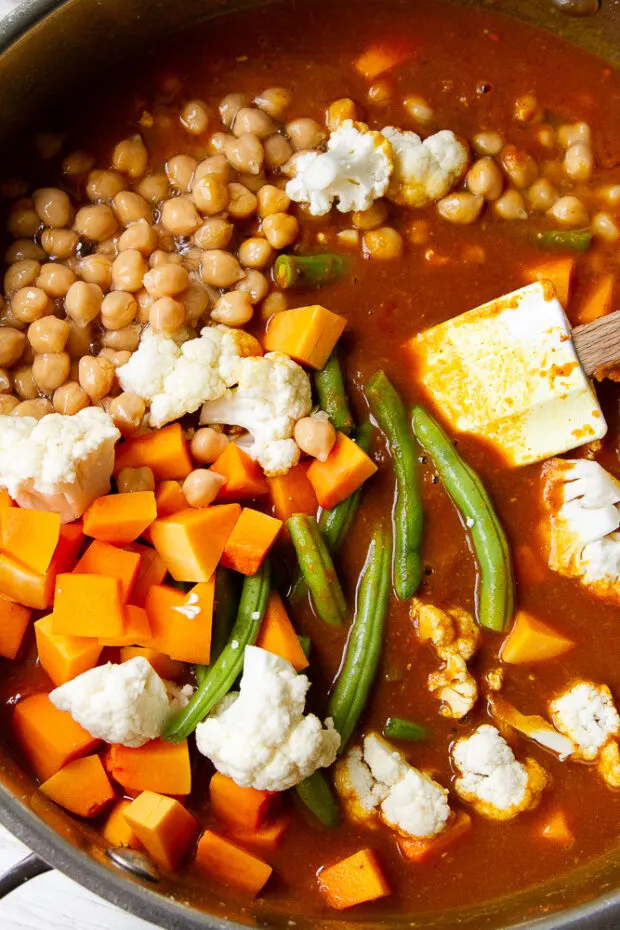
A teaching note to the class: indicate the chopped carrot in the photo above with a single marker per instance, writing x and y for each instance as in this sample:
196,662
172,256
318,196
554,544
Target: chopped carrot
156,766
102,558
192,541
240,808
116,831
354,880
557,830
307,334
292,493
181,622
163,826
244,477
14,620
88,605
383,56
278,635
137,629
343,472
162,664
30,536
266,838
531,640
81,787
229,864
169,498
49,738
559,272
598,300
420,850
64,657
120,518
252,537
152,571
165,451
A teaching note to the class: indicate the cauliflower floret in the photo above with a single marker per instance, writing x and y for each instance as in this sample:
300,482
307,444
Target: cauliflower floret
609,764
177,379
587,715
261,738
272,393
58,463
584,542
127,704
354,171
491,779
424,171
533,726
375,782
455,638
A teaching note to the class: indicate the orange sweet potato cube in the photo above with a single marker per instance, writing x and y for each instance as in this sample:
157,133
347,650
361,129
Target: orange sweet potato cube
152,571
137,629
307,334
165,451
156,766
277,634
88,605
81,787
343,472
14,620
30,536
354,880
166,830
116,830
120,518
102,558
244,478
253,536
230,864
242,808
64,657
191,542
48,737
161,663
181,623
292,493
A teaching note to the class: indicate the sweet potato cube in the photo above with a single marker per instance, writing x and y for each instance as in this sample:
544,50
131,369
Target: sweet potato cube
253,536
162,664
166,830
230,864
266,838
20,583
120,518
244,478
598,300
307,334
420,850
48,737
14,620
242,808
169,498
192,541
116,830
64,657
292,493
557,830
165,451
156,766
559,271
137,629
152,571
101,558
278,635
181,623
30,536
343,472
383,56
531,640
81,787
88,605
354,880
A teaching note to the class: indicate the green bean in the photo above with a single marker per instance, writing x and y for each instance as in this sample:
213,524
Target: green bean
398,728
389,411
307,270
495,597
363,651
316,793
576,239
332,396
225,670
226,601
336,522
317,568
306,644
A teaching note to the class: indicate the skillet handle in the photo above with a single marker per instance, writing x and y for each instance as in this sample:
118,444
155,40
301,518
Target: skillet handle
21,873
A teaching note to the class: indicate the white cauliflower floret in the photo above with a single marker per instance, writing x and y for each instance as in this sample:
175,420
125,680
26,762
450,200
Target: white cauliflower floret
272,393
587,715
127,704
353,172
261,738
58,463
177,379
491,779
424,171
375,782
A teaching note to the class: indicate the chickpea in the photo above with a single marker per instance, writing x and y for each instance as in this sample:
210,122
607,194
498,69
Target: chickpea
21,274
341,110
53,207
545,135
24,383
255,285
242,202
96,222
8,404
191,258
195,300
79,340
22,249
50,370
277,150
418,109
371,218
234,309
48,335
154,188
280,229
348,238
245,153
77,164
202,486
255,252
131,207
214,165
59,243
127,412
305,133
541,195
520,167
195,117
131,157
135,479
510,206
315,436
83,302
30,303
488,143
140,236
118,357
125,338
96,269
145,301
605,228
526,108
570,212
6,381
166,280
215,233
610,194
381,91
69,398
12,344
275,302
383,243
104,185
217,142
55,279
167,315
418,232
210,194
179,216
257,122
128,270
23,221
96,376
253,182
272,199
162,257
579,161
572,133
207,445
180,170
230,106
484,179
118,309
220,268
37,408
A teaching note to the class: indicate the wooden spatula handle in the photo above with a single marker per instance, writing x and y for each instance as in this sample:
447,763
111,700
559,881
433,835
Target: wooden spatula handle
598,343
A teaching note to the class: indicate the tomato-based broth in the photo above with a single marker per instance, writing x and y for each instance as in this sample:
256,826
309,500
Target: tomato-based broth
494,83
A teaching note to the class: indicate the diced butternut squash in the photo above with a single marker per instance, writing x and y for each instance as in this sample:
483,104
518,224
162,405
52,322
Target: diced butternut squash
116,830
192,541
307,334
253,536
343,472
230,864
559,272
598,299
165,451
240,808
152,571
278,635
81,787
49,738
354,880
181,623
120,518
244,478
421,850
531,640
162,664
30,536
292,493
137,629
266,838
163,826
64,657
14,620
383,56
88,605
169,498
102,558
20,583
156,766
557,830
